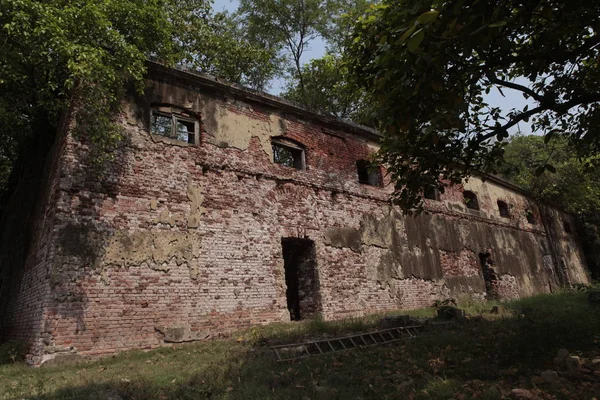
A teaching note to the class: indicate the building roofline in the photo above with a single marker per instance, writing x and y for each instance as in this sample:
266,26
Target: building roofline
183,74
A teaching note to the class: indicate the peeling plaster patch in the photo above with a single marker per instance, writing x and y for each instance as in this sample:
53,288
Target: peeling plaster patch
343,237
165,217
388,268
376,232
154,248
236,129
196,209
179,334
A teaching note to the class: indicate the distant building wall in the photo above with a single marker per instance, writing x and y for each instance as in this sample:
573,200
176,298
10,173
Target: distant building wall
176,241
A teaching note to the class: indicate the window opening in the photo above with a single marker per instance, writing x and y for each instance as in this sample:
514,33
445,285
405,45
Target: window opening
173,126
432,194
567,227
471,200
530,217
288,154
301,278
503,209
368,175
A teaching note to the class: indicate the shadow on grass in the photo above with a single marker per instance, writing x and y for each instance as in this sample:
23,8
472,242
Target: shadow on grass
479,358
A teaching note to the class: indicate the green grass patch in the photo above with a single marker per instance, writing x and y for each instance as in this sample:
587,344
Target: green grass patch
484,357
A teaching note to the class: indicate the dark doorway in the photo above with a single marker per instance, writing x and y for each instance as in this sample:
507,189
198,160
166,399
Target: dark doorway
301,278
490,277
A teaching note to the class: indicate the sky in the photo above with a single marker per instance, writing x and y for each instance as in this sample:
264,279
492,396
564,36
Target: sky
511,98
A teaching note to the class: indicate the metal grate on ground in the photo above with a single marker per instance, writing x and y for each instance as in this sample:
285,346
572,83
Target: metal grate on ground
295,351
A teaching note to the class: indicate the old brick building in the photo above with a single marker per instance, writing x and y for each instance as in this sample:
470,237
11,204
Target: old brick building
225,208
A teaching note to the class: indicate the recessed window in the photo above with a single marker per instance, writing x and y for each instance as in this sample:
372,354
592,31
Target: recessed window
470,199
173,125
432,194
530,217
288,154
567,227
367,174
503,209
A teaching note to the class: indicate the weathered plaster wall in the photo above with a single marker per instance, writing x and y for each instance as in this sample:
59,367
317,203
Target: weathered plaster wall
179,242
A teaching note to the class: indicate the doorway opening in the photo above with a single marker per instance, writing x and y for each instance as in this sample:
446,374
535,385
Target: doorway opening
490,278
301,278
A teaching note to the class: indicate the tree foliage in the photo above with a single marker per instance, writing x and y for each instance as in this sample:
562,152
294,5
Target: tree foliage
429,65
574,186
223,47
54,54
288,26
327,88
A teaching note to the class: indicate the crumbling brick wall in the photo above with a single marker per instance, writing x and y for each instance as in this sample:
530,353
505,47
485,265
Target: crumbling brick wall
174,242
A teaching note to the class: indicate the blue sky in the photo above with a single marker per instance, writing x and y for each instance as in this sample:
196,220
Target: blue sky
511,98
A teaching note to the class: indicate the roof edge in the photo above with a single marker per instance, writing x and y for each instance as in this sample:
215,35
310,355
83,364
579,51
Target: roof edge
210,81
206,80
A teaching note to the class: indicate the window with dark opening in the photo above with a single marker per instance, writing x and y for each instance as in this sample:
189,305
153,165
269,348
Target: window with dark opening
470,199
301,278
530,217
567,227
432,194
288,154
503,209
173,125
368,175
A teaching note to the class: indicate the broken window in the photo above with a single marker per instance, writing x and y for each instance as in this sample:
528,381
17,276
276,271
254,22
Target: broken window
367,174
432,194
288,154
567,227
301,278
503,209
470,199
530,217
177,125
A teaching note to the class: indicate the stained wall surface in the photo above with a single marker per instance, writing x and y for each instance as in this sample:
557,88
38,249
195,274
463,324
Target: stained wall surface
173,242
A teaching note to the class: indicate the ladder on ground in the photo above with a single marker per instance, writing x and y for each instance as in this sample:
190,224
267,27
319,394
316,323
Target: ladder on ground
294,351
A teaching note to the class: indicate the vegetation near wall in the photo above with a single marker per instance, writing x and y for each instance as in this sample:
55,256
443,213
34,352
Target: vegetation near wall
507,353
573,185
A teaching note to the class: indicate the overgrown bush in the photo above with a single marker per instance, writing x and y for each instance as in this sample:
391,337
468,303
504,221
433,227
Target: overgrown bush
12,351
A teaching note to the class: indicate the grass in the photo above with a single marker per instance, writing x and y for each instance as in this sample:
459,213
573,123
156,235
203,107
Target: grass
484,357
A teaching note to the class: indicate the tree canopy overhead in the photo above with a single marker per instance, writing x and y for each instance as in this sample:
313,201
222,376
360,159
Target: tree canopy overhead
429,64
60,52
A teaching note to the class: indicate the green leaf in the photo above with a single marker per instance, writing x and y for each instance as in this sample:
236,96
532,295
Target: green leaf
498,24
406,35
428,17
415,41
540,170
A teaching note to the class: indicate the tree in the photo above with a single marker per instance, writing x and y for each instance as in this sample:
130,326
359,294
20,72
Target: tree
59,53
327,89
224,48
429,64
574,186
288,26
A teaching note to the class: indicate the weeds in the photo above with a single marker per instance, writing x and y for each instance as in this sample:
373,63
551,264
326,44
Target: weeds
12,352
483,357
